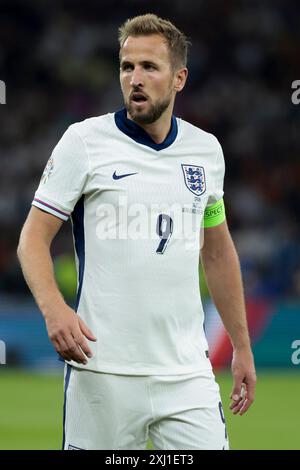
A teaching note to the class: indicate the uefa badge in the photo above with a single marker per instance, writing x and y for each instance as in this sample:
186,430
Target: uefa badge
48,171
194,178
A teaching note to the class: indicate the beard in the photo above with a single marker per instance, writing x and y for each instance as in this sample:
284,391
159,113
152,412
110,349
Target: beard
155,110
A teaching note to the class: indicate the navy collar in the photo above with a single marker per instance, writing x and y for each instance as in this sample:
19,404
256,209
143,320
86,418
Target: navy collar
137,133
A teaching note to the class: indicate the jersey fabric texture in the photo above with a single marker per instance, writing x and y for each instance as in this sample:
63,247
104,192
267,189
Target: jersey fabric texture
136,209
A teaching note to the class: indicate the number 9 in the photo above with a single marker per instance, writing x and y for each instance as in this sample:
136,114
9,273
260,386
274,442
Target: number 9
164,229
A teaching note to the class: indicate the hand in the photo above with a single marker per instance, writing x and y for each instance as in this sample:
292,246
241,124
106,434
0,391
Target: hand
67,332
244,377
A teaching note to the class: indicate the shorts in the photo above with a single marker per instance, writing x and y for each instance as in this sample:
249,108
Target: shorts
111,411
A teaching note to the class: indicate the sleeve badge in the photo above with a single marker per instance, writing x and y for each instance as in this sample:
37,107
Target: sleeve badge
47,171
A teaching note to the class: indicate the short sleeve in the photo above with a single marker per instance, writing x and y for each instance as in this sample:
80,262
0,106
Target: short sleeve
64,177
218,173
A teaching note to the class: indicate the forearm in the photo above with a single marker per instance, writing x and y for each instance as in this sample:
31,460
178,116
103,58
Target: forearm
37,267
224,281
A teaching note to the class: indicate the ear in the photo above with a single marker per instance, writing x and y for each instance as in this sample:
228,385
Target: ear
180,78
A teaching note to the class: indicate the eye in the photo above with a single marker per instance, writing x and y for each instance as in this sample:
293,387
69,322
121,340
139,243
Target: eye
126,67
150,67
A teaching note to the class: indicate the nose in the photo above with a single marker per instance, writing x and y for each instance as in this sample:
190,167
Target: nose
136,78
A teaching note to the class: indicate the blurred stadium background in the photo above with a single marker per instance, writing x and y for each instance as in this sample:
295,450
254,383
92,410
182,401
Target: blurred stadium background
59,61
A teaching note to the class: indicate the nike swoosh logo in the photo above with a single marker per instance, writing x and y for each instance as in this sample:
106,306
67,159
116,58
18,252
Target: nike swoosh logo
118,177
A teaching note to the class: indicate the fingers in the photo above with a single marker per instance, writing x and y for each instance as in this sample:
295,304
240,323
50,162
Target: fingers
235,408
69,340
68,348
239,401
246,405
61,348
251,383
245,400
82,344
237,389
243,371
86,331
250,390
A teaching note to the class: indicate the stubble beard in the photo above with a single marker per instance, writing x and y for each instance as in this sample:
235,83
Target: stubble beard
152,114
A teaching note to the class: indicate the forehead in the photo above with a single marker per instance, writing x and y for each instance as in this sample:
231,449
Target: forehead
138,48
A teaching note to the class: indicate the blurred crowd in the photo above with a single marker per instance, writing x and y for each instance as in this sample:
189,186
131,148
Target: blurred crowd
59,61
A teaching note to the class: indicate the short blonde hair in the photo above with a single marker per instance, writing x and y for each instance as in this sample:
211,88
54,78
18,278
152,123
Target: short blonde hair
145,25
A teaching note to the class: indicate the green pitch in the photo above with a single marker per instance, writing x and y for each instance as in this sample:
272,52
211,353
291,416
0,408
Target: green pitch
31,412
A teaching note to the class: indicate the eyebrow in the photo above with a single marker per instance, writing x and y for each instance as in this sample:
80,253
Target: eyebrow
143,62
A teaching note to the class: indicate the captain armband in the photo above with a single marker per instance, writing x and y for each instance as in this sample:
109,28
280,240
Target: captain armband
214,215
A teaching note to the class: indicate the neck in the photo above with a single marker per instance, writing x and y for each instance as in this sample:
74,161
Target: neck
159,129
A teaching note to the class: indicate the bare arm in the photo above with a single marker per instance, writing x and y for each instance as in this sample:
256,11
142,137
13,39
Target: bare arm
66,329
224,281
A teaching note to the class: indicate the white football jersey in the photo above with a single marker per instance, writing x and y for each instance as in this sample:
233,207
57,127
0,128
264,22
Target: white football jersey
136,209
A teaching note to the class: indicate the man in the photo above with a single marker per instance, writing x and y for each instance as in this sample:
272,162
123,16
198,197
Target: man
136,353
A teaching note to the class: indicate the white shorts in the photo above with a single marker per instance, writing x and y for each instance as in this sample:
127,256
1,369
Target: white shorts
109,411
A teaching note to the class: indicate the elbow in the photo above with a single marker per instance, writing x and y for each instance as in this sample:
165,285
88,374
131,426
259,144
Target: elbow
19,250
21,247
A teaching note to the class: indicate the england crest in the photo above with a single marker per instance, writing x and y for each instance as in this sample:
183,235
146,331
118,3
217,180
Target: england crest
194,178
